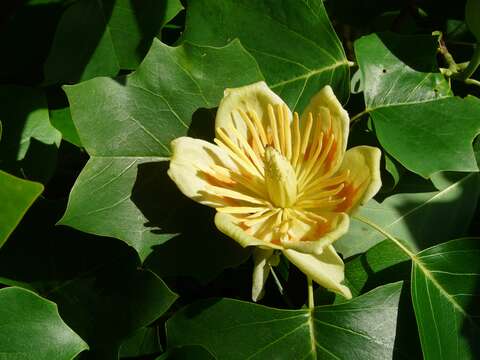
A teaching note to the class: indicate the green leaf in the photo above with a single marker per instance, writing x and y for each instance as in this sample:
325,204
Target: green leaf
187,353
100,37
382,263
144,341
420,219
16,196
29,143
472,17
403,95
33,329
294,44
367,324
126,126
60,116
445,292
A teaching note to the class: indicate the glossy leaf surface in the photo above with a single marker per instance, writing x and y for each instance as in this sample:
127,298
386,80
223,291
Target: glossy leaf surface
126,128
16,196
445,291
420,219
403,96
25,315
367,323
294,44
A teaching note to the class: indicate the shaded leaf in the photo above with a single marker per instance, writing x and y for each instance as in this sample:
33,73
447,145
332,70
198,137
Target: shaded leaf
382,263
16,196
126,128
445,292
144,341
29,142
367,323
60,116
404,93
186,353
100,37
294,44
31,328
101,290
420,219
472,17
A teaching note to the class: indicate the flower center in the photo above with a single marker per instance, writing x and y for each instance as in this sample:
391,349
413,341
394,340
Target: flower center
280,179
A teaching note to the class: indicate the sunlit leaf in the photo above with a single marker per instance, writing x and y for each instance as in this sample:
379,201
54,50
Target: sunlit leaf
404,93
126,126
420,219
294,44
445,292
16,196
32,329
367,324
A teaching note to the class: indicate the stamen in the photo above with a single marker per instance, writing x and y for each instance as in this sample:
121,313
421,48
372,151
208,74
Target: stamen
305,138
306,216
254,158
320,161
281,128
259,126
321,195
323,182
296,140
248,184
288,133
235,152
220,191
317,141
262,218
253,131
240,209
273,127
320,203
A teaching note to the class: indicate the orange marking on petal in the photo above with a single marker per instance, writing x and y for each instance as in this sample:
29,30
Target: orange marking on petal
348,192
218,180
276,241
307,152
229,201
331,156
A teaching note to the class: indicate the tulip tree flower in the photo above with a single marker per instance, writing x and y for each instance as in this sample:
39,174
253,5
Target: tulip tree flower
280,182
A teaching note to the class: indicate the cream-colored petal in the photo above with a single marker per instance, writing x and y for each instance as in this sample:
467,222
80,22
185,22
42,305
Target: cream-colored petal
228,225
340,121
318,236
191,160
326,269
261,270
364,181
254,97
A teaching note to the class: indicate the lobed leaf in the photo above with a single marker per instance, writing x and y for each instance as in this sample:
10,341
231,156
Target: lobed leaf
294,44
367,324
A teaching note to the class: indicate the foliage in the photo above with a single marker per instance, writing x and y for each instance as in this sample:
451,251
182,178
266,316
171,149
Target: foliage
101,256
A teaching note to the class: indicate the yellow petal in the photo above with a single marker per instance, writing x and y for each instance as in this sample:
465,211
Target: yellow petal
191,161
261,270
228,225
326,269
315,237
331,112
364,181
251,98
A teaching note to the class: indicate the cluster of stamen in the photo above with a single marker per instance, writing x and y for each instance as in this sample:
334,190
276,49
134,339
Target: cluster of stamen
271,160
